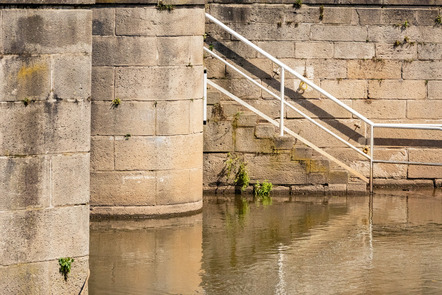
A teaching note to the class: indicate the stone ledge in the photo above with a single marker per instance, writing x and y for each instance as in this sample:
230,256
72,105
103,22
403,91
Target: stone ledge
162,211
344,2
165,2
46,2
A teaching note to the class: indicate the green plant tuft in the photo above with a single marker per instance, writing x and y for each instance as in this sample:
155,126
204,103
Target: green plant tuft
321,12
26,101
211,47
438,20
405,25
65,266
297,4
127,136
115,103
162,7
263,190
236,168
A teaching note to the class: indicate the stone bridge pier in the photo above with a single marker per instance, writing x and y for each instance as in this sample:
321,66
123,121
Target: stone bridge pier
45,90
100,106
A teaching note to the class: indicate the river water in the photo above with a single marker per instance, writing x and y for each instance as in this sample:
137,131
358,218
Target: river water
388,244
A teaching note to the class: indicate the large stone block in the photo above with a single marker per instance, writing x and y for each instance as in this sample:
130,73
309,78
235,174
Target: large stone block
407,137
214,169
102,153
242,88
47,31
71,77
353,50
278,49
245,141
102,83
427,17
374,69
182,50
430,70
124,51
25,78
48,127
159,153
256,68
424,109
369,16
339,15
398,16
176,187
435,89
149,21
328,68
277,169
263,31
129,118
70,179
397,89
218,136
390,51
103,21
381,109
160,83
346,88
314,50
43,278
123,188
173,117
430,51
349,130
39,235
389,34
325,109
338,33
24,183
265,131
427,155
390,170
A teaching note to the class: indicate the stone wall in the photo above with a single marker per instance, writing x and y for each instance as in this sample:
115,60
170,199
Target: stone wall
146,154
382,60
45,74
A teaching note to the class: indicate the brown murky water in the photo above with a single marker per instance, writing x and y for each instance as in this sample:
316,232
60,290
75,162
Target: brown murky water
300,245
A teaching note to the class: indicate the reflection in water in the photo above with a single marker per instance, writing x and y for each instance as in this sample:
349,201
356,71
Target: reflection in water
307,245
146,257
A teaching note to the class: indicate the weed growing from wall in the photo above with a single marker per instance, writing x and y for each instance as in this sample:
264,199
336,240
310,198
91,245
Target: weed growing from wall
297,4
65,266
262,190
115,103
236,168
163,7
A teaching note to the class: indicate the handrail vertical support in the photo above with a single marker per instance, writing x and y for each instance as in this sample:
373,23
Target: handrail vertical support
205,97
371,157
281,121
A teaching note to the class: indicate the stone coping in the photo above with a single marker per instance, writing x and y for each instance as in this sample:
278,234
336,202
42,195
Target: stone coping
340,2
88,2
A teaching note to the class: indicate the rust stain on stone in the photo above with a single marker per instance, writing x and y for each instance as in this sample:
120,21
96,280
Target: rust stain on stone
26,72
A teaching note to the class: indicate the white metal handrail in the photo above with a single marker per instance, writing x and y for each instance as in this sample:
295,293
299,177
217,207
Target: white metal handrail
285,102
283,68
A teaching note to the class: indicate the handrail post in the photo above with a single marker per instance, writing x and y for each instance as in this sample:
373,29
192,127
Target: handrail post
371,157
281,121
205,97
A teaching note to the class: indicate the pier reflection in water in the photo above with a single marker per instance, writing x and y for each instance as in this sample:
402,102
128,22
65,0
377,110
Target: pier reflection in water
307,245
